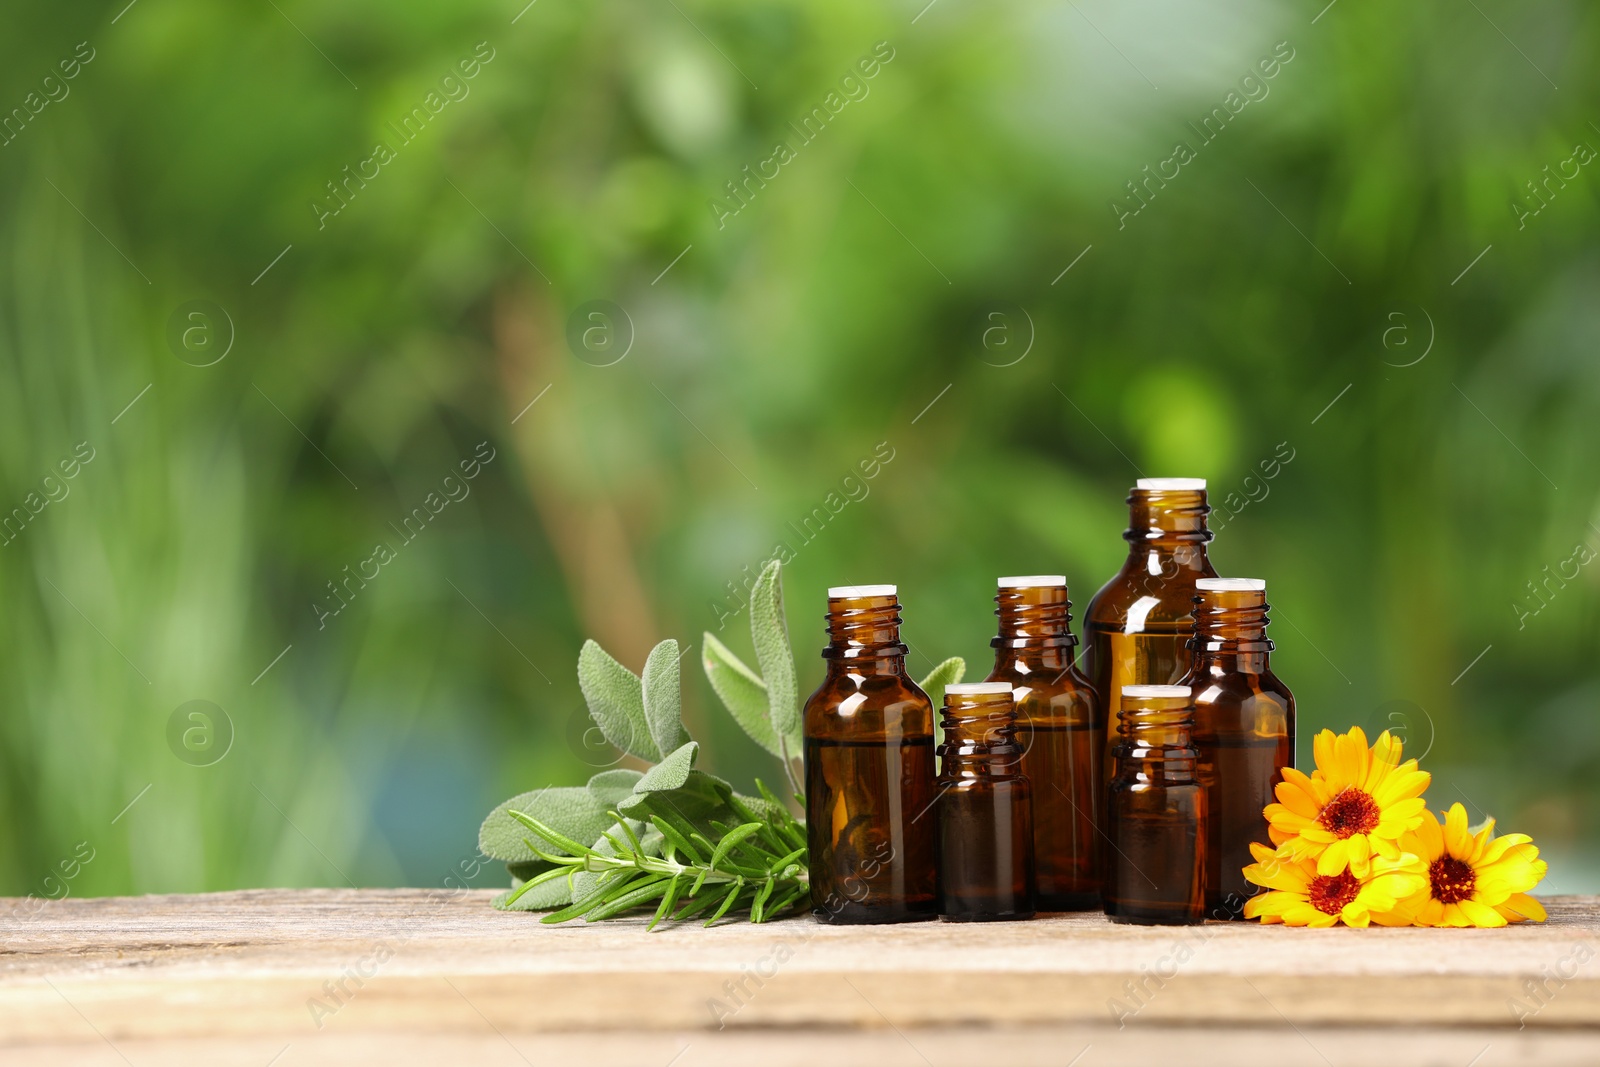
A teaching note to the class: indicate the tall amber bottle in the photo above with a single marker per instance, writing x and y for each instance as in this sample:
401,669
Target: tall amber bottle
1156,862
1138,626
1243,731
1035,653
869,770
985,808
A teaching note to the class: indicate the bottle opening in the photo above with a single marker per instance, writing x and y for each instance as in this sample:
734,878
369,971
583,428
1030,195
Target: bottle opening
1170,484
856,592
1033,581
1155,692
977,689
1231,585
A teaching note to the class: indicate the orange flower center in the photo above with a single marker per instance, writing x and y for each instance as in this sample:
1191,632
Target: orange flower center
1351,812
1453,880
1329,894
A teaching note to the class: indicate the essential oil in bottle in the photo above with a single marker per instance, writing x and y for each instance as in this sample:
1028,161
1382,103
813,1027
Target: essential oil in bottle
1138,626
1243,731
870,822
1155,867
984,806
1035,653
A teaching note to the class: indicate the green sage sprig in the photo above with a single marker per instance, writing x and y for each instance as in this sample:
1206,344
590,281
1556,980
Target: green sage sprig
757,866
672,835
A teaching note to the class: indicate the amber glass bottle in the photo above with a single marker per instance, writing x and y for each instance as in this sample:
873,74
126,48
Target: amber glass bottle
1035,654
984,806
1243,731
869,770
1138,626
1155,867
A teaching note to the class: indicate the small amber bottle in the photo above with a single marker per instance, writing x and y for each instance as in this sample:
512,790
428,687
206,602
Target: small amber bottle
1155,866
1035,654
1138,626
869,762
1243,731
985,810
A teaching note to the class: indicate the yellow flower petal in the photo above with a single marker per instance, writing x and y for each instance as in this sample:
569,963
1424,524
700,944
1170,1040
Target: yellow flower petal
1520,906
1456,839
1481,914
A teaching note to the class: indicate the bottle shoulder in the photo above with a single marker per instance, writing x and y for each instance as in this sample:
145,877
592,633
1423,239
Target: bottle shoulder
867,706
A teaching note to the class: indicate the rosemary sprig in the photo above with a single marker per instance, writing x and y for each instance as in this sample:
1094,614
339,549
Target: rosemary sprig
750,867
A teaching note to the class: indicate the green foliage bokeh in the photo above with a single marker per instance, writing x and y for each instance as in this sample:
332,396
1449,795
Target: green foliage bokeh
895,284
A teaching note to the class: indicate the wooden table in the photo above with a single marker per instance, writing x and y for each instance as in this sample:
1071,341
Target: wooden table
413,976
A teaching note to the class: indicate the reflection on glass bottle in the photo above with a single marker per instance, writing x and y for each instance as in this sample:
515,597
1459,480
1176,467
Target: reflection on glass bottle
1243,731
869,770
1056,726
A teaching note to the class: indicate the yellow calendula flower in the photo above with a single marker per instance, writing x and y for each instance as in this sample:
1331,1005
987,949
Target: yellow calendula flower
1353,807
1470,879
1299,895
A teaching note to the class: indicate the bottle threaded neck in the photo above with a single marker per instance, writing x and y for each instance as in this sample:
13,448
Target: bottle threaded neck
1230,617
1033,615
980,728
863,622
1153,727
1163,513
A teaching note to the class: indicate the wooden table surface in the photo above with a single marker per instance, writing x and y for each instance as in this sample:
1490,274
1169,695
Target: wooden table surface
292,977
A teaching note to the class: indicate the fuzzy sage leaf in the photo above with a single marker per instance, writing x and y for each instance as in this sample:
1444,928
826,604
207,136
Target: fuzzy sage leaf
770,630
616,702
950,672
663,701
741,691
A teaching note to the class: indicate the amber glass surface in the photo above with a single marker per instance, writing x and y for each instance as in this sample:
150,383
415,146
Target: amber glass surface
1243,735
984,805
1156,859
869,759
1035,653
1138,626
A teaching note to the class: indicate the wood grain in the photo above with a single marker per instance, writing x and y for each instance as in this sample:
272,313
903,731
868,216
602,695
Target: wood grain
329,971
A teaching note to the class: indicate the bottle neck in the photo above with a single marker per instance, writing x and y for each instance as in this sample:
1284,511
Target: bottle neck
864,636
1167,534
1035,634
980,738
1230,631
1168,516
1153,742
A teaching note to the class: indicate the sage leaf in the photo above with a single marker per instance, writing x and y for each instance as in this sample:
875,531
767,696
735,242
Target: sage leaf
571,811
611,787
741,691
950,672
700,798
663,697
671,772
616,702
770,630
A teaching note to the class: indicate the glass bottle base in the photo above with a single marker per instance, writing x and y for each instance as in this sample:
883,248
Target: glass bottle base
870,915
986,916
1069,902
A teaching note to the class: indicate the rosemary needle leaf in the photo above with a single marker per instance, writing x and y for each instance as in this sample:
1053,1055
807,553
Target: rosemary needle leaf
674,887
559,840
677,840
727,902
761,898
629,900
731,840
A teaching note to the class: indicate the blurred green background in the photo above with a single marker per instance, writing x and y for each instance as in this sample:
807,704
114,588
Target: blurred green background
1304,283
